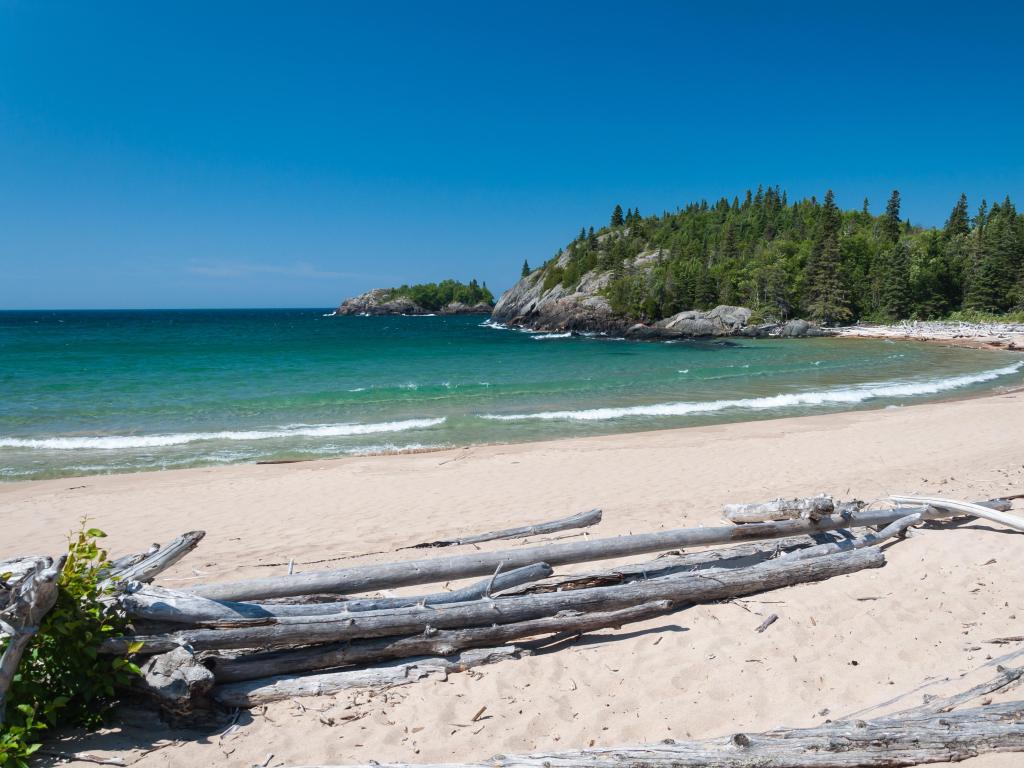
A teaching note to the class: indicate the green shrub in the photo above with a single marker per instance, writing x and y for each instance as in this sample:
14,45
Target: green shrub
62,678
975,316
552,277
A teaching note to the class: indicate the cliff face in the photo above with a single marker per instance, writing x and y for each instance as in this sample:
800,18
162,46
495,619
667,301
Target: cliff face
383,301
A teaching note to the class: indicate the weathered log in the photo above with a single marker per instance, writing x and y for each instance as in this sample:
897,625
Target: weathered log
435,642
681,588
739,556
159,604
868,540
14,570
966,508
126,561
160,560
32,598
388,575
886,742
252,693
580,520
813,507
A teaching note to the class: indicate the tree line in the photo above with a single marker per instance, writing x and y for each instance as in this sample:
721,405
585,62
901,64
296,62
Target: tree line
436,296
806,258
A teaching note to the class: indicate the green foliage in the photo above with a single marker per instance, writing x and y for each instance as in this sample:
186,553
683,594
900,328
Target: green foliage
973,316
435,296
806,258
62,678
526,268
617,219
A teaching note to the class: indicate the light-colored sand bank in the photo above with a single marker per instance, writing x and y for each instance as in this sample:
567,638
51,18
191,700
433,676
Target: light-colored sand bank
1009,336
839,646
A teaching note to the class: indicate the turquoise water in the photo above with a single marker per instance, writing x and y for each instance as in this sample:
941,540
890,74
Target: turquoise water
92,392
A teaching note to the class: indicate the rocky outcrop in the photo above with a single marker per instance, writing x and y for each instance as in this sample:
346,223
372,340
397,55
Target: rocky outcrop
584,308
383,301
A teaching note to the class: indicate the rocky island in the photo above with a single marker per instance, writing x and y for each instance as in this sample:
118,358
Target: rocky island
449,297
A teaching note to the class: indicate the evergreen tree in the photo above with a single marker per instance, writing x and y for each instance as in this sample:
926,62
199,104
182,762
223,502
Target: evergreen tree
891,219
896,291
958,222
617,219
526,268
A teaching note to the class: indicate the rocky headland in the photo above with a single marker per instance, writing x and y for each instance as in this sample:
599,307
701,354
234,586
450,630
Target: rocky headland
387,301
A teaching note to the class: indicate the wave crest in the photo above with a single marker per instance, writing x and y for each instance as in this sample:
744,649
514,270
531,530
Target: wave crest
847,396
118,442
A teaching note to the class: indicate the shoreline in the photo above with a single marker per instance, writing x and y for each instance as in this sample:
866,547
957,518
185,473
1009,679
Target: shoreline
988,341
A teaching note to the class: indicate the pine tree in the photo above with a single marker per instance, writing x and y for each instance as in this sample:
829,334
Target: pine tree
617,219
897,298
827,299
958,222
526,268
891,219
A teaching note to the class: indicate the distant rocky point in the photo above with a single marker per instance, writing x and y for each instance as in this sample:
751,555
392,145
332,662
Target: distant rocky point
418,300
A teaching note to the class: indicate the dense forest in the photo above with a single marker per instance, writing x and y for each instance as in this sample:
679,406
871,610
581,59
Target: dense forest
435,296
806,258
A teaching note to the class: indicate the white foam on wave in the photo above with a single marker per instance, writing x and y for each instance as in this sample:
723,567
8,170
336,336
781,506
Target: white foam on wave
544,336
116,442
845,396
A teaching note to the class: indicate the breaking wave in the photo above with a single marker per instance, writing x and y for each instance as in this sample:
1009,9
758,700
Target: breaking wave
117,442
845,396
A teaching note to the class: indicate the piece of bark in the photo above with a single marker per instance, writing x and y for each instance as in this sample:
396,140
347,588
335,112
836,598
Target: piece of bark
739,556
30,601
868,540
159,604
388,575
767,623
813,508
252,693
580,520
149,567
682,588
433,642
952,506
888,742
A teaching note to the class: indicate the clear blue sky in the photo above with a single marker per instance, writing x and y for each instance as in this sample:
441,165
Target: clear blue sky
290,154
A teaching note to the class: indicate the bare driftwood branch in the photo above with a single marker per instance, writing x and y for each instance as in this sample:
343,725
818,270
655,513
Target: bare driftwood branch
965,508
388,575
683,588
254,692
433,642
868,540
813,507
147,569
580,520
31,599
159,604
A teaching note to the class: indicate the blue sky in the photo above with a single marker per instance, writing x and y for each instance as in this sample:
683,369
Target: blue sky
291,154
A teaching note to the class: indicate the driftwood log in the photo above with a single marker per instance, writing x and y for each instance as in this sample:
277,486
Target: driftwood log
812,507
580,520
912,737
31,599
385,576
681,589
159,604
739,556
255,692
966,508
155,561
434,642
868,540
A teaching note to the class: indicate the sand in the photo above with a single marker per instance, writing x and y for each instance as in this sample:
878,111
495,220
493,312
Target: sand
837,648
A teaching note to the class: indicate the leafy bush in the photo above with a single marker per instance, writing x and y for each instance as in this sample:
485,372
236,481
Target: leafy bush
62,678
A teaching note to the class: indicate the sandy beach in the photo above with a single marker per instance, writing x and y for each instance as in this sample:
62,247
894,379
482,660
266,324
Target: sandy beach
838,647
